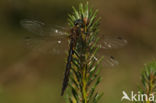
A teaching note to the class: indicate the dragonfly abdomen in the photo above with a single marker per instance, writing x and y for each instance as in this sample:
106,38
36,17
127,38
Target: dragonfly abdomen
68,66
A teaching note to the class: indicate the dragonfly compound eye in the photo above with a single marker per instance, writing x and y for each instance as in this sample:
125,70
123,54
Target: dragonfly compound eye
79,23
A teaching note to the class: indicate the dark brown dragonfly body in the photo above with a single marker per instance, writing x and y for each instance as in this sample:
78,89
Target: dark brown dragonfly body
75,34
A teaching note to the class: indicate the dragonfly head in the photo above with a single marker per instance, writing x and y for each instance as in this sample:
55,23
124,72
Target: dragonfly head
81,25
78,23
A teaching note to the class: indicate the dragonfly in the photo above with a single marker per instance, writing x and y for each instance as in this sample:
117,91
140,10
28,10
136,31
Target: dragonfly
58,35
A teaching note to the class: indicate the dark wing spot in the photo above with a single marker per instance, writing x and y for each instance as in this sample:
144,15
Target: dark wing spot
112,57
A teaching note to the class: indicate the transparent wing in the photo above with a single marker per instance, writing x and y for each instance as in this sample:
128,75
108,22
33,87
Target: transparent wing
33,26
111,42
41,29
46,46
108,61
59,31
47,39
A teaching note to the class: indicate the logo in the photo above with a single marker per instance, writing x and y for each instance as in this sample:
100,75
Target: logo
137,97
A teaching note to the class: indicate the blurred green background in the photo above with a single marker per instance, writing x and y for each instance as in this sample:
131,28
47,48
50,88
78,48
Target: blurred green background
28,76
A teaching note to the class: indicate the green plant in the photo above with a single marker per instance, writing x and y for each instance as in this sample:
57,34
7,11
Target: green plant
148,79
84,72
